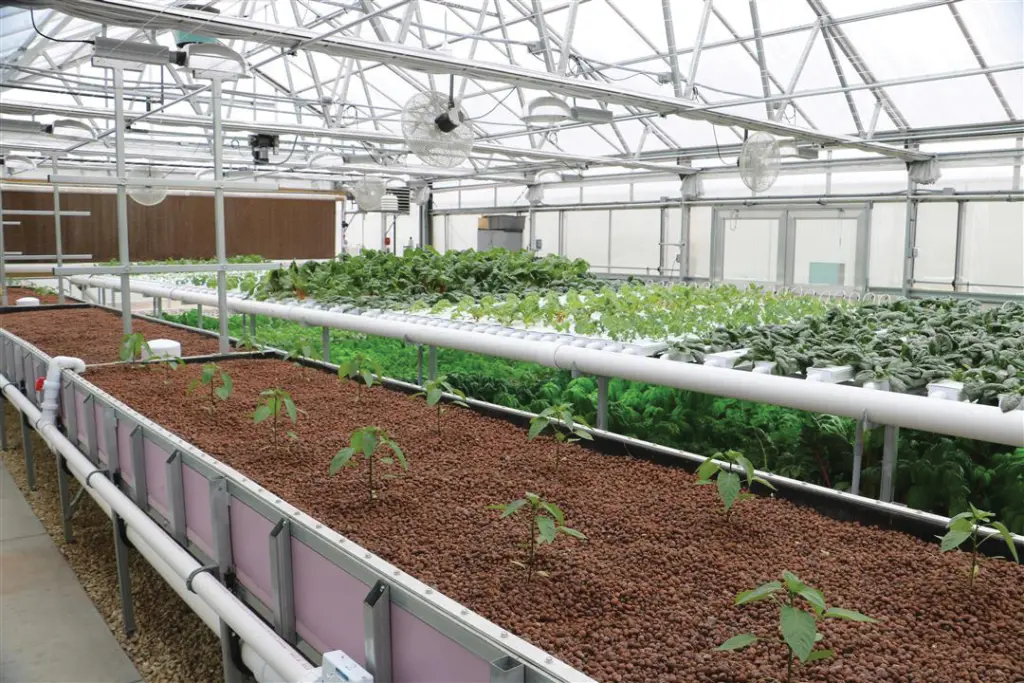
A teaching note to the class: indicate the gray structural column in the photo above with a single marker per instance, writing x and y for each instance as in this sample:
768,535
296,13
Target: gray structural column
224,342
58,239
122,202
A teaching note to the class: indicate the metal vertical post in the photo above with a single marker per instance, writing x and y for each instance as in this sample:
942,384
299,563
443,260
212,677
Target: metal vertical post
176,498
432,362
64,489
958,254
887,487
124,578
199,316
507,670
138,456
3,259
377,632
602,403
3,423
252,328
58,238
26,446
281,581
684,240
560,247
662,238
419,364
910,239
224,343
223,556
122,202
532,220
858,456
608,257
325,343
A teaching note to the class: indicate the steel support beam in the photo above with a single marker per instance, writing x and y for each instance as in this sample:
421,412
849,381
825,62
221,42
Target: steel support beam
698,45
1007,109
762,62
781,106
670,39
122,201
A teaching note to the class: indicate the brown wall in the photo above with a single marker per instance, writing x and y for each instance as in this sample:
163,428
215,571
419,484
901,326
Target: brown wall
178,227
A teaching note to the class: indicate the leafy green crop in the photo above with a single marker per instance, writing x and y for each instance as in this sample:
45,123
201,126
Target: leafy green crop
362,370
366,441
798,628
966,527
545,521
133,346
728,482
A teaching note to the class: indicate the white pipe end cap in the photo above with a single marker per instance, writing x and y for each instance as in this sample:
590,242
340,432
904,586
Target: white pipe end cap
27,301
162,348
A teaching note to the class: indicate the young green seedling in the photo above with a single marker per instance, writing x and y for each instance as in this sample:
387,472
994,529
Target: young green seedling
362,370
797,626
545,522
566,427
434,389
967,526
169,364
367,441
276,402
132,347
209,376
730,484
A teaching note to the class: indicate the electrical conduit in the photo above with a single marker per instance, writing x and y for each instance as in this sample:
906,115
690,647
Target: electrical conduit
270,659
968,420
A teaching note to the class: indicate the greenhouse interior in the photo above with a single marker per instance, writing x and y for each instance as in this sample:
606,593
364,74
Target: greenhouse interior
512,341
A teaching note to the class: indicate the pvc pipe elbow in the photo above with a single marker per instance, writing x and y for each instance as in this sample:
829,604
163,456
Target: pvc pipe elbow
51,385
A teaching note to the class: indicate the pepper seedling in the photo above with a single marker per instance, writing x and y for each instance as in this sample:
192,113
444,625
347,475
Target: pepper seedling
967,526
209,376
729,483
367,441
275,402
797,626
545,522
357,368
567,428
132,347
434,389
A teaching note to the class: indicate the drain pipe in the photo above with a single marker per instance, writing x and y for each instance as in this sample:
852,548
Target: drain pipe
51,385
271,659
968,420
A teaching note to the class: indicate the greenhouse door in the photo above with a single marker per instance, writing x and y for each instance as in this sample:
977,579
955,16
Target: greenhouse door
816,248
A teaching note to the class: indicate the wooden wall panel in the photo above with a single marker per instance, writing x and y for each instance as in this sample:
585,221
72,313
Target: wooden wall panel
178,227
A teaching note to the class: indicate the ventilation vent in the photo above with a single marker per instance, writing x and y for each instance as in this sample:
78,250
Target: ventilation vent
403,195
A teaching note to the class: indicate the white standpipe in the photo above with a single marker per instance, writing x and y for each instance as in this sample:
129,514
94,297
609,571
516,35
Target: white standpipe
51,385
271,659
968,420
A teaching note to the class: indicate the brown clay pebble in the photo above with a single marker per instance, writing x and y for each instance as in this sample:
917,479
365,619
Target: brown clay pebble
650,595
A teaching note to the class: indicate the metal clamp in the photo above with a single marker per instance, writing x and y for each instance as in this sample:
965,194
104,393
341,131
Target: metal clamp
90,475
211,568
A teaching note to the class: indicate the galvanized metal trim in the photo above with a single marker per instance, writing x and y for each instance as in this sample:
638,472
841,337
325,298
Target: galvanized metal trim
176,498
281,583
138,455
92,446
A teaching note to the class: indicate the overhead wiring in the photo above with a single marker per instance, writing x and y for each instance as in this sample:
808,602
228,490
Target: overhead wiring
32,16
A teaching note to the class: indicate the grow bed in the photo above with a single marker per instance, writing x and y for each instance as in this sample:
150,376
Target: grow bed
649,596
15,293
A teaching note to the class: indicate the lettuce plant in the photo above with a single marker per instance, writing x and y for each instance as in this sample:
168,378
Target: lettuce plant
368,442
545,522
798,628
967,527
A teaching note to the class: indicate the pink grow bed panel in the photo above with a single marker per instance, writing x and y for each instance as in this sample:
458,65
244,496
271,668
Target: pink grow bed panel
156,476
124,450
421,654
250,546
198,524
80,416
328,603
101,435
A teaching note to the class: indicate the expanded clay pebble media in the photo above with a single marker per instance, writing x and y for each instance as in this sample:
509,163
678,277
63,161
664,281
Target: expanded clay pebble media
170,644
650,595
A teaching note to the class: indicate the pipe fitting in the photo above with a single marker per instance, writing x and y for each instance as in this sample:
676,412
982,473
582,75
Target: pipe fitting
51,385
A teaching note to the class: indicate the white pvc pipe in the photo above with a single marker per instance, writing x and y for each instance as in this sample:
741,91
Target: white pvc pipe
968,420
174,563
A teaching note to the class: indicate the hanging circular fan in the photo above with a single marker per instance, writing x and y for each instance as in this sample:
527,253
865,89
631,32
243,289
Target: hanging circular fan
147,195
368,193
436,129
759,161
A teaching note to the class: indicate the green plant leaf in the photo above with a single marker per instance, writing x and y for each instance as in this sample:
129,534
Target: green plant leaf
227,383
798,630
433,396
399,454
583,434
554,511
707,469
537,425
747,466
728,487
848,615
764,482
367,377
511,508
369,443
261,413
545,529
814,597
289,406
953,539
341,459
738,642
1005,533
793,582
572,532
762,592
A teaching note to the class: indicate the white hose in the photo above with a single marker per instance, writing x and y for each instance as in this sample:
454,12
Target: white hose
968,420
210,599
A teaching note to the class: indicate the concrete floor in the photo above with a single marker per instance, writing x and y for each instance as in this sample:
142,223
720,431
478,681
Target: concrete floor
50,632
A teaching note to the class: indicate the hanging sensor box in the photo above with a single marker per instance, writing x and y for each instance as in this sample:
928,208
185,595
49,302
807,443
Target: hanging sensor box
262,144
